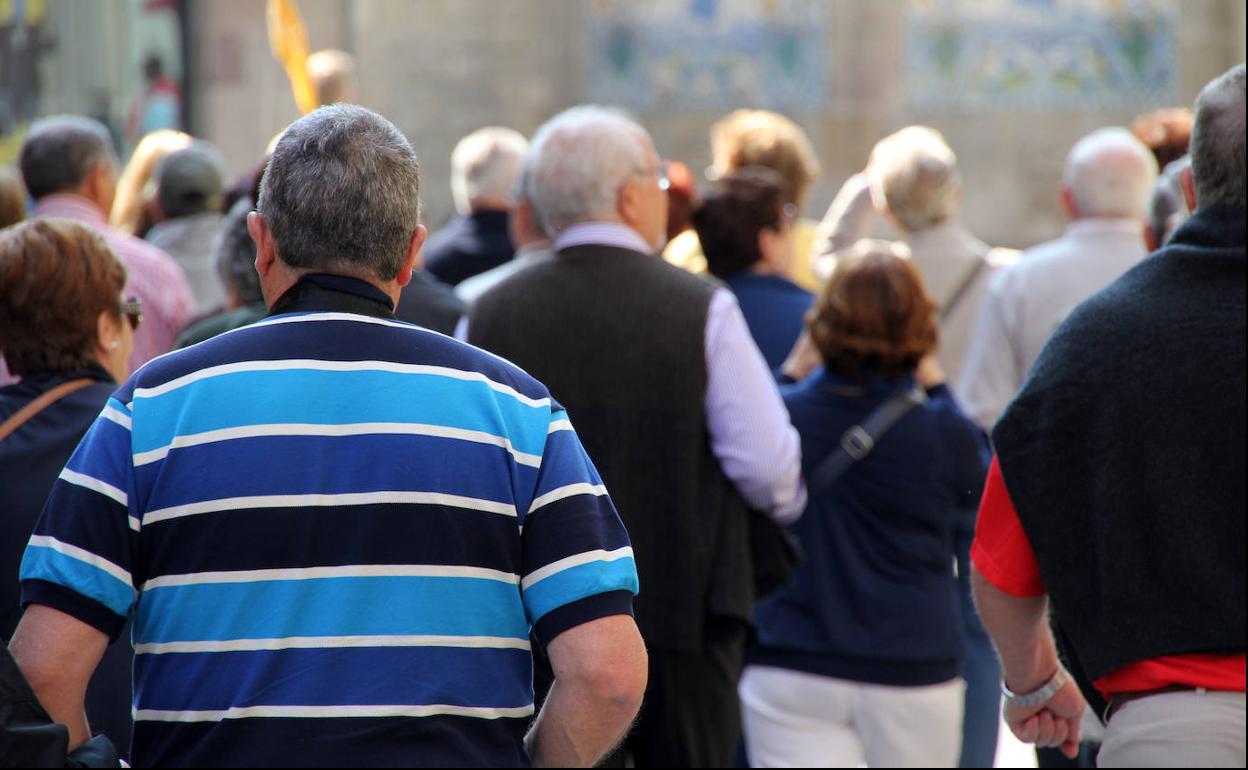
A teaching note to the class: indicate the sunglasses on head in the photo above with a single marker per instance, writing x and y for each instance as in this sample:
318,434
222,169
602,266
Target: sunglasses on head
132,309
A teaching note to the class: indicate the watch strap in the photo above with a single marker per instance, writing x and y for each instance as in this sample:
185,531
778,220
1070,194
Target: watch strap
1036,697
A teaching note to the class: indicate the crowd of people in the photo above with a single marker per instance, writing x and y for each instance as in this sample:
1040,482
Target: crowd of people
610,469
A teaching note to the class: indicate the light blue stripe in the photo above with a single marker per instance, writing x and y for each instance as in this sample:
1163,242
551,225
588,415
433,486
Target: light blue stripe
114,403
43,563
578,582
335,398
348,606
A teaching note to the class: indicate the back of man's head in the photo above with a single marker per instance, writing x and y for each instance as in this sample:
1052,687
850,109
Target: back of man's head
234,253
59,153
916,174
1110,174
332,73
1218,142
342,193
582,157
1167,208
483,166
190,181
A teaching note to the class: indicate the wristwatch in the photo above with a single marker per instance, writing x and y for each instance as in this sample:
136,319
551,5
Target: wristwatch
1036,697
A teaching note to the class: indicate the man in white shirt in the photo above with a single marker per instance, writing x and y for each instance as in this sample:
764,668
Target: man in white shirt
1106,187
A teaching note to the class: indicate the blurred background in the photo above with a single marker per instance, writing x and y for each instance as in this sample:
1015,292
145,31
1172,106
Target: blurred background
1011,83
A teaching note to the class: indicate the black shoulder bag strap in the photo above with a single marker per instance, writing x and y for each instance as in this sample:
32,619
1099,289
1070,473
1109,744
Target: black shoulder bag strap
858,441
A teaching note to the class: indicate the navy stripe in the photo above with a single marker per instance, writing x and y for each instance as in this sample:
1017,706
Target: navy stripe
439,741
334,341
280,538
332,465
564,527
370,676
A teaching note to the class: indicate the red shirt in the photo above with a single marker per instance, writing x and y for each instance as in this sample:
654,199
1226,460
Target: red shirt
1002,553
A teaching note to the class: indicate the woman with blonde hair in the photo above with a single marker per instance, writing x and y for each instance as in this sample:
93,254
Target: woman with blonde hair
134,189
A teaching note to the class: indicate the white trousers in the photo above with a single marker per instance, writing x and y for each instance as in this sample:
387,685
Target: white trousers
795,719
1176,729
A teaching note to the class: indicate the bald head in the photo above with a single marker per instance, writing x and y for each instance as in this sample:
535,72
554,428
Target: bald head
333,76
1110,174
1218,142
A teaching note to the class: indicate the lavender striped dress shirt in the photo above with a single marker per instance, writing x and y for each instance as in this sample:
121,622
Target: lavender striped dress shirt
751,436
151,275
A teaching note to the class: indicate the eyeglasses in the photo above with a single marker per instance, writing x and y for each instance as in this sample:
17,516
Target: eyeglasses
660,172
132,309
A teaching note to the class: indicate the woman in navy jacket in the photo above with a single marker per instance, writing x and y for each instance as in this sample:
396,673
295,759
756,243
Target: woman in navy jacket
858,659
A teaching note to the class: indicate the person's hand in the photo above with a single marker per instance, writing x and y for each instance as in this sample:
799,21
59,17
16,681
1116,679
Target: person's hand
1052,724
929,374
803,359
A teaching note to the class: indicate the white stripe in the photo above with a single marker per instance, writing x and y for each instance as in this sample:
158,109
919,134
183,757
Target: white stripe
558,425
94,484
568,491
82,555
538,575
335,366
135,523
320,573
116,415
315,500
334,317
325,642
350,429
329,712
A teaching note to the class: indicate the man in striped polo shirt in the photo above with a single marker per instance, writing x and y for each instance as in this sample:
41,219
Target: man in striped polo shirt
335,532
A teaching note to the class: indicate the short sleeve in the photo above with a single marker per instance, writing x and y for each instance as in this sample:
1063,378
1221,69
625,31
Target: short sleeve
1001,550
577,558
80,558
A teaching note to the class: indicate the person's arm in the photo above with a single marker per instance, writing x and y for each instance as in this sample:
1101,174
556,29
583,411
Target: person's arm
847,221
57,654
600,676
990,375
1019,628
751,436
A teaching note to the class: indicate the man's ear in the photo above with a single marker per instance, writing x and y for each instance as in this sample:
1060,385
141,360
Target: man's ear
413,260
1188,183
628,202
266,250
1069,203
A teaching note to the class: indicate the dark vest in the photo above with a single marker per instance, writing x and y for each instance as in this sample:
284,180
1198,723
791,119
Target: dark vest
1124,456
618,338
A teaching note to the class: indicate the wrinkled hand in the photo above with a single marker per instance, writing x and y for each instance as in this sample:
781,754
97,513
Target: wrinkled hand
1053,724
803,359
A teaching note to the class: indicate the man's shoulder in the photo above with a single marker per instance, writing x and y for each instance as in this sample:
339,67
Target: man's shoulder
301,342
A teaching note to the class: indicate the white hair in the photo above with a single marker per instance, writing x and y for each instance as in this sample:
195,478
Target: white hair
484,165
916,174
1110,174
581,157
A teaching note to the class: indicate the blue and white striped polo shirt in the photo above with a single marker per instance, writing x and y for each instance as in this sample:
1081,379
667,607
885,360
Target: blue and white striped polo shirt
335,534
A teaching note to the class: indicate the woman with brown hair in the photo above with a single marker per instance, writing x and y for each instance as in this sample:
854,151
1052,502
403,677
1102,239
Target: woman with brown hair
66,331
858,659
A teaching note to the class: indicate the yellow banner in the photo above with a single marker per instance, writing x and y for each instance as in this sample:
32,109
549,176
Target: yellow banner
289,41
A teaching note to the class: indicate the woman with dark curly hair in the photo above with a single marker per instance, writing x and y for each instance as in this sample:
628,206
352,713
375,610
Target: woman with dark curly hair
66,331
858,659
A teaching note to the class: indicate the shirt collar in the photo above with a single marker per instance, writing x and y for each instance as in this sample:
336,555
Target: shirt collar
70,206
322,292
1090,226
602,234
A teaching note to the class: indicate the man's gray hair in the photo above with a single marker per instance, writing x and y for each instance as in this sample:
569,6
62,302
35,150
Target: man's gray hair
581,158
1218,142
342,193
1168,207
484,164
234,253
1111,174
916,173
60,151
